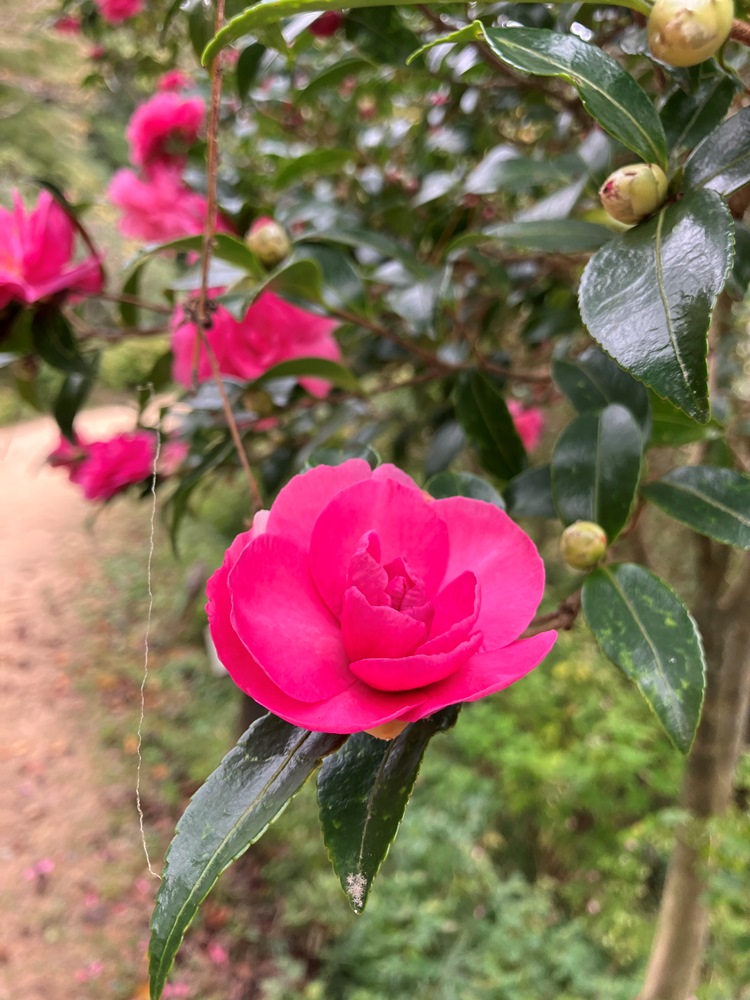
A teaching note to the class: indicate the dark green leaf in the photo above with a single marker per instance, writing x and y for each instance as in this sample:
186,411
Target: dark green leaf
200,25
248,65
331,371
72,395
337,456
341,284
244,795
592,381
711,501
644,628
55,342
541,236
270,12
530,494
157,380
740,277
483,414
225,247
607,91
177,504
463,484
596,466
688,118
363,791
647,296
671,427
316,163
129,310
722,161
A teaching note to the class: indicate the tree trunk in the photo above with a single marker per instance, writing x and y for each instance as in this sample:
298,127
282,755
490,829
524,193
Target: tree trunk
679,946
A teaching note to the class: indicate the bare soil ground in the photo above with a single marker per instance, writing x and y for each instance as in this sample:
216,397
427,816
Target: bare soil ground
74,893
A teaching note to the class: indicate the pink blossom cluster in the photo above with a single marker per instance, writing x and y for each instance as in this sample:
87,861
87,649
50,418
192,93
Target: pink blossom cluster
104,468
36,254
117,11
391,605
271,331
156,203
528,421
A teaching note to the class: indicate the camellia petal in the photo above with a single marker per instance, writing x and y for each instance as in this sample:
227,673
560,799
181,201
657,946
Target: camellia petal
456,613
485,673
405,523
377,631
510,571
299,504
303,655
408,673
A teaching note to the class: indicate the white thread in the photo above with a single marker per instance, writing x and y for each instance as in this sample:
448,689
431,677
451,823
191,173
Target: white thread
144,679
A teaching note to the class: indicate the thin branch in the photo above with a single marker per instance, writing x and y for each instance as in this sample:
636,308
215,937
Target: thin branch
740,32
133,300
563,618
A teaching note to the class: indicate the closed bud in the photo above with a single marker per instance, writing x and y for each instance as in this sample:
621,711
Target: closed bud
685,32
269,242
634,192
583,544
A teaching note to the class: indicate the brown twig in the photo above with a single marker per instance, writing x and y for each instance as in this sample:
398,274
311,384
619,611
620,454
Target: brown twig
740,32
204,311
563,618
133,300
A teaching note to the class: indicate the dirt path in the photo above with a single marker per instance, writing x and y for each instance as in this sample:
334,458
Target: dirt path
73,898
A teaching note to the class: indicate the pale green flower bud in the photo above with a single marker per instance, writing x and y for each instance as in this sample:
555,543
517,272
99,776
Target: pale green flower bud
685,32
269,242
583,544
634,192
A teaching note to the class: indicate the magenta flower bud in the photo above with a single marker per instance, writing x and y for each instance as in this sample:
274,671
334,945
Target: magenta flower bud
583,544
634,192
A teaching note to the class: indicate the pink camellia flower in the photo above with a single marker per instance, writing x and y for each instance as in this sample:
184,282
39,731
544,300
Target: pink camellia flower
164,127
117,11
158,207
358,603
529,422
111,466
174,79
327,24
67,25
36,251
272,331
104,468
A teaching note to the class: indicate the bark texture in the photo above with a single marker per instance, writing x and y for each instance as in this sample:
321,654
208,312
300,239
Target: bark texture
679,946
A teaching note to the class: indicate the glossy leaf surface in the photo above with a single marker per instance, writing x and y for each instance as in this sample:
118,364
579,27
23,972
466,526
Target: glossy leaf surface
592,381
722,161
712,501
596,466
235,806
647,297
483,414
645,629
463,484
363,791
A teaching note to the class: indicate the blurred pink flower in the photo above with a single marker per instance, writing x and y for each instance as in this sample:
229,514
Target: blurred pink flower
91,971
327,24
158,207
174,79
36,251
271,331
173,991
43,867
217,953
116,11
529,423
171,457
164,127
67,25
112,465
